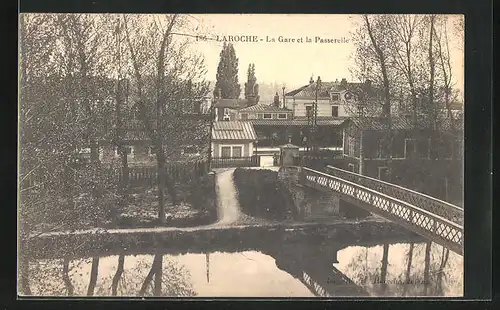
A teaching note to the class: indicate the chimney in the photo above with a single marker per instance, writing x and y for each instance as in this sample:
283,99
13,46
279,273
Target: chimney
343,82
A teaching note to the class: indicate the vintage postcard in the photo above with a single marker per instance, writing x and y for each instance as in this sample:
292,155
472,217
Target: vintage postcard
241,155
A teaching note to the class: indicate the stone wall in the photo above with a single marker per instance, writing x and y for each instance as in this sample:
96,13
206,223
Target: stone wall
311,204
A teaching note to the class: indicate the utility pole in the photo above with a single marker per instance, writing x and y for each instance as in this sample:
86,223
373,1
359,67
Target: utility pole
284,104
361,155
315,114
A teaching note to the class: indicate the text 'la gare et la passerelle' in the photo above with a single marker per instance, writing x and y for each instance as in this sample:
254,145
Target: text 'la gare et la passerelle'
272,39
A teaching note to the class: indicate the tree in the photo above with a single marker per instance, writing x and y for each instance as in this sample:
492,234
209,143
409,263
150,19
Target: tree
373,62
227,74
165,75
276,100
56,193
251,86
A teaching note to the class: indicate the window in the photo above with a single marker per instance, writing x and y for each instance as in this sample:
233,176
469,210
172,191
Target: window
383,173
335,97
237,151
226,111
152,150
309,110
335,111
226,151
350,142
244,116
267,116
282,116
128,150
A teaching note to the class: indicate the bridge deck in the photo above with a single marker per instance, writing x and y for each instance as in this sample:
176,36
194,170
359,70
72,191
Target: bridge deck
433,226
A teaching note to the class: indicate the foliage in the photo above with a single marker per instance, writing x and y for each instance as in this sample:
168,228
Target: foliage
167,82
261,194
251,86
226,85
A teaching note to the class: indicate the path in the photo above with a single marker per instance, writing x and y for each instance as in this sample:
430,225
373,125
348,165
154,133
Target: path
227,199
228,207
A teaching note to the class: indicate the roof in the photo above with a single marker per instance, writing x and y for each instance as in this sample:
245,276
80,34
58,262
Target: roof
327,87
233,130
231,103
398,123
265,108
297,122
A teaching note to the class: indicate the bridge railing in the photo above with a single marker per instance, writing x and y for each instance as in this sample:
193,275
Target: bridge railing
437,228
429,203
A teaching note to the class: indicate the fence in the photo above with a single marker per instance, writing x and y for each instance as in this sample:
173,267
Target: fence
433,226
318,161
137,176
226,162
442,208
176,171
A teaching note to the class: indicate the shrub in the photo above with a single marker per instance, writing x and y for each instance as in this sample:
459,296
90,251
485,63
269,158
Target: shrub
261,194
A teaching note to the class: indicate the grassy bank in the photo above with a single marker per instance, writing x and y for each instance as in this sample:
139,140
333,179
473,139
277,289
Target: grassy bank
197,206
261,194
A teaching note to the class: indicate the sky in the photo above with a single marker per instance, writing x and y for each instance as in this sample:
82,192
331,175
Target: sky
289,63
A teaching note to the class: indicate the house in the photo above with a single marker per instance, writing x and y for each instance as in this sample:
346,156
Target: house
191,133
420,159
275,132
227,109
233,139
334,99
264,111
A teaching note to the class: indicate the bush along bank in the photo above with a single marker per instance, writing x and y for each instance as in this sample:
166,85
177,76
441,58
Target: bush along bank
262,194
197,206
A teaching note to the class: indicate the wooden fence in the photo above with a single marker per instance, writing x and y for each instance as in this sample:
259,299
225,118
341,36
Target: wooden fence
137,175
176,171
223,162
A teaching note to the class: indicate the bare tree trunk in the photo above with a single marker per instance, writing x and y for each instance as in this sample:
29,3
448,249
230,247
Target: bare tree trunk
93,276
160,161
383,270
118,275
24,274
158,274
157,263
444,261
427,267
408,268
66,279
386,107
432,66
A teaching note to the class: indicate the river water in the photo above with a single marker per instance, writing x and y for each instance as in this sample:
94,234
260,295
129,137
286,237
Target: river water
273,270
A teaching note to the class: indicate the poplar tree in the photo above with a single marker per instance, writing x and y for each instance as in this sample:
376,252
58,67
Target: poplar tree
226,85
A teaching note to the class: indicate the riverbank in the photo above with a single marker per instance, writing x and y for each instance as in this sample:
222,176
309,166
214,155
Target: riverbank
189,239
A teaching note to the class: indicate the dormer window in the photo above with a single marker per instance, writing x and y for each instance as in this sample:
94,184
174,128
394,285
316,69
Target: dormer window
335,97
267,116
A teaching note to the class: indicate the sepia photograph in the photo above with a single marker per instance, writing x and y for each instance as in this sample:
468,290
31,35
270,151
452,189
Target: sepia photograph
240,155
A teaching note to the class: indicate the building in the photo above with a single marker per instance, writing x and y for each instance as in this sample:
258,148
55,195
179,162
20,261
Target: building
227,109
334,98
233,139
423,160
264,111
189,141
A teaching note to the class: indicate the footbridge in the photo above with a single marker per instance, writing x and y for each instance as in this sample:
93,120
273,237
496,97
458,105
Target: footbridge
427,216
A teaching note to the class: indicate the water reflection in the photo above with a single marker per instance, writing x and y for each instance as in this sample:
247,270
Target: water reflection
273,270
